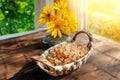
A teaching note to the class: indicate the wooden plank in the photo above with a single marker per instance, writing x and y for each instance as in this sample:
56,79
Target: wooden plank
31,37
2,69
16,53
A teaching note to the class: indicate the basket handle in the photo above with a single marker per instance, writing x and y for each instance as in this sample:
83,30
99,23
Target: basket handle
46,63
89,45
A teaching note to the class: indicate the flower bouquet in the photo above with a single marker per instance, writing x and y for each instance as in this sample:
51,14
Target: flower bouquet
60,22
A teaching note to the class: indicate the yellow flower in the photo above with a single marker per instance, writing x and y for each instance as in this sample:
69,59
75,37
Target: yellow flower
46,15
56,26
71,24
60,5
62,22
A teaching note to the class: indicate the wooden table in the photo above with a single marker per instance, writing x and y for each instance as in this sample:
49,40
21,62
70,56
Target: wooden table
15,62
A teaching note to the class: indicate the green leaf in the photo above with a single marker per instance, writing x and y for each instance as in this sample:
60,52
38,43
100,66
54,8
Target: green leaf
1,16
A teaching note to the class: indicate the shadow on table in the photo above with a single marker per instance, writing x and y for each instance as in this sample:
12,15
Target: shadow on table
32,72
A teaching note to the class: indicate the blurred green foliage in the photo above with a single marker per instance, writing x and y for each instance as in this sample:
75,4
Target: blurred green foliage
16,16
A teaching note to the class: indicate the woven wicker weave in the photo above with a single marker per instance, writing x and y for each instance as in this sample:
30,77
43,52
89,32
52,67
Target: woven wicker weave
59,70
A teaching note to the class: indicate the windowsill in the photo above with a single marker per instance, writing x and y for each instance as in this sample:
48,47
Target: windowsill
21,34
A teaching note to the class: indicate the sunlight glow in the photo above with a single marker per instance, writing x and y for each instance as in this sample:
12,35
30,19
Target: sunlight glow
104,17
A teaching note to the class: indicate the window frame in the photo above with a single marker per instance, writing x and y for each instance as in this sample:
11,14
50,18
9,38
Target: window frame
39,4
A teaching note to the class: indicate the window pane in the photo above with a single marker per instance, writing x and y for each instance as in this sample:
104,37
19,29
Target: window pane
104,18
16,16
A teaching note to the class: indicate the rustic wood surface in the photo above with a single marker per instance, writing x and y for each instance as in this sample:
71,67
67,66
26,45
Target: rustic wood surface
15,62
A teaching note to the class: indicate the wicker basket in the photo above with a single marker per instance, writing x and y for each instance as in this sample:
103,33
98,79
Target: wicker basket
67,68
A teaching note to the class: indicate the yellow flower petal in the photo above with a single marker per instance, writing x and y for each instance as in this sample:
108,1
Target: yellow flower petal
49,30
59,34
59,5
55,33
46,15
41,21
